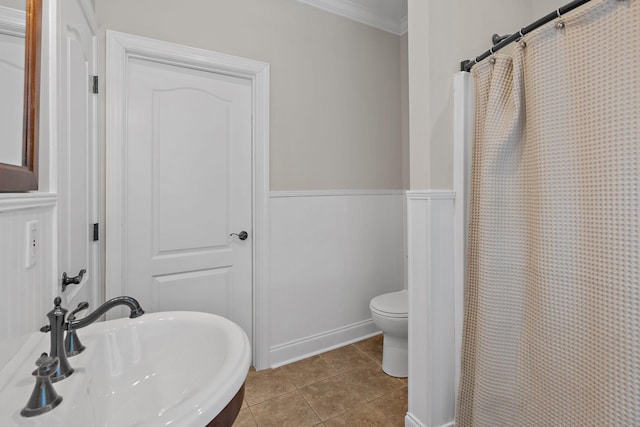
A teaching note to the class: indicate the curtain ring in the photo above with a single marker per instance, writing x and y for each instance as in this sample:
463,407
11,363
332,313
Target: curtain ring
521,41
560,23
492,60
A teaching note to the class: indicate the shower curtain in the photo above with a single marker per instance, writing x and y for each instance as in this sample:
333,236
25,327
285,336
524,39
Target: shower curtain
552,301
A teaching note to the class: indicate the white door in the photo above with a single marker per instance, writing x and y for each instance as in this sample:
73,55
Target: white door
187,177
77,153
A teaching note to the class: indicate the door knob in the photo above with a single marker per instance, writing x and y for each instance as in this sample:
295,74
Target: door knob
66,280
242,235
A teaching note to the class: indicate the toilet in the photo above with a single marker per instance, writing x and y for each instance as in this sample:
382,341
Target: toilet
390,313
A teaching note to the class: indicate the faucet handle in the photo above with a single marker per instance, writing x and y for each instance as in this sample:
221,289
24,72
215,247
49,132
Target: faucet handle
44,398
82,306
46,365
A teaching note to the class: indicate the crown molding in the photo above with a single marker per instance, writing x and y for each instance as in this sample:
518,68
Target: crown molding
404,25
358,12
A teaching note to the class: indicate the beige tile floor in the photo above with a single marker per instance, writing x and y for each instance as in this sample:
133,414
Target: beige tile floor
343,387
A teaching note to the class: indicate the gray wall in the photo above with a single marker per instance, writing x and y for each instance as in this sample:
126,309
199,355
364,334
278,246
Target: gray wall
543,7
335,83
404,108
441,34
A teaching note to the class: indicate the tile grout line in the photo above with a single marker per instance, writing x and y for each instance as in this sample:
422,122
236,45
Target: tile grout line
336,373
368,355
311,406
252,417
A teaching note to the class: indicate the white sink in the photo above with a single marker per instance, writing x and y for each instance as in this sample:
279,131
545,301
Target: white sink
160,369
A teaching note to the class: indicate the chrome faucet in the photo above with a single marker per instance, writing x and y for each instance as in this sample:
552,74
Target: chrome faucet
134,306
57,325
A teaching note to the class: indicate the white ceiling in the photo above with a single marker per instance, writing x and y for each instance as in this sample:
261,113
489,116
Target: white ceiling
387,15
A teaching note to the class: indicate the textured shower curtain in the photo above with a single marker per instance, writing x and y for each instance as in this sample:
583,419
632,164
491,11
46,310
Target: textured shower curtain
552,304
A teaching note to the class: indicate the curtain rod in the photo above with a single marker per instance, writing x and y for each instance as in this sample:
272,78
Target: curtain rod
468,64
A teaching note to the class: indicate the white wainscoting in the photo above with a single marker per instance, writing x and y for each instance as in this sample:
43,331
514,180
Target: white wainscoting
430,243
27,294
331,252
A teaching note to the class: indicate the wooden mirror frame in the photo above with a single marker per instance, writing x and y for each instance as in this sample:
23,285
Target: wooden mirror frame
15,178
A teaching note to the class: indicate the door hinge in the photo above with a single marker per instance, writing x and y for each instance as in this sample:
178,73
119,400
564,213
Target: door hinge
96,233
94,86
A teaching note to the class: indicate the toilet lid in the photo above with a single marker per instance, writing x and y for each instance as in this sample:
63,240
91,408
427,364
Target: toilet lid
394,304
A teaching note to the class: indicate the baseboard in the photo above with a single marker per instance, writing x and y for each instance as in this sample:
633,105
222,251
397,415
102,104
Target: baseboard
310,346
412,421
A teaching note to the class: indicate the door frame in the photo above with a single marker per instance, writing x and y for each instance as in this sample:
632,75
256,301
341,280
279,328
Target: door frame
93,279
120,48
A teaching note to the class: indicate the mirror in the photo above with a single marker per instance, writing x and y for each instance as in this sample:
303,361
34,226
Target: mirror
19,155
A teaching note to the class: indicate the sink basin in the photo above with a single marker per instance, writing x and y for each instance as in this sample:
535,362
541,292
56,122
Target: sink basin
160,369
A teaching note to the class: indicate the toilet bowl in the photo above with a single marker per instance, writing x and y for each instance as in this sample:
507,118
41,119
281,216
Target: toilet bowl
390,313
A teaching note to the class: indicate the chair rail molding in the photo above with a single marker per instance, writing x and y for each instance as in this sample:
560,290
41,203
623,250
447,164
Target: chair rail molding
12,21
20,201
333,193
